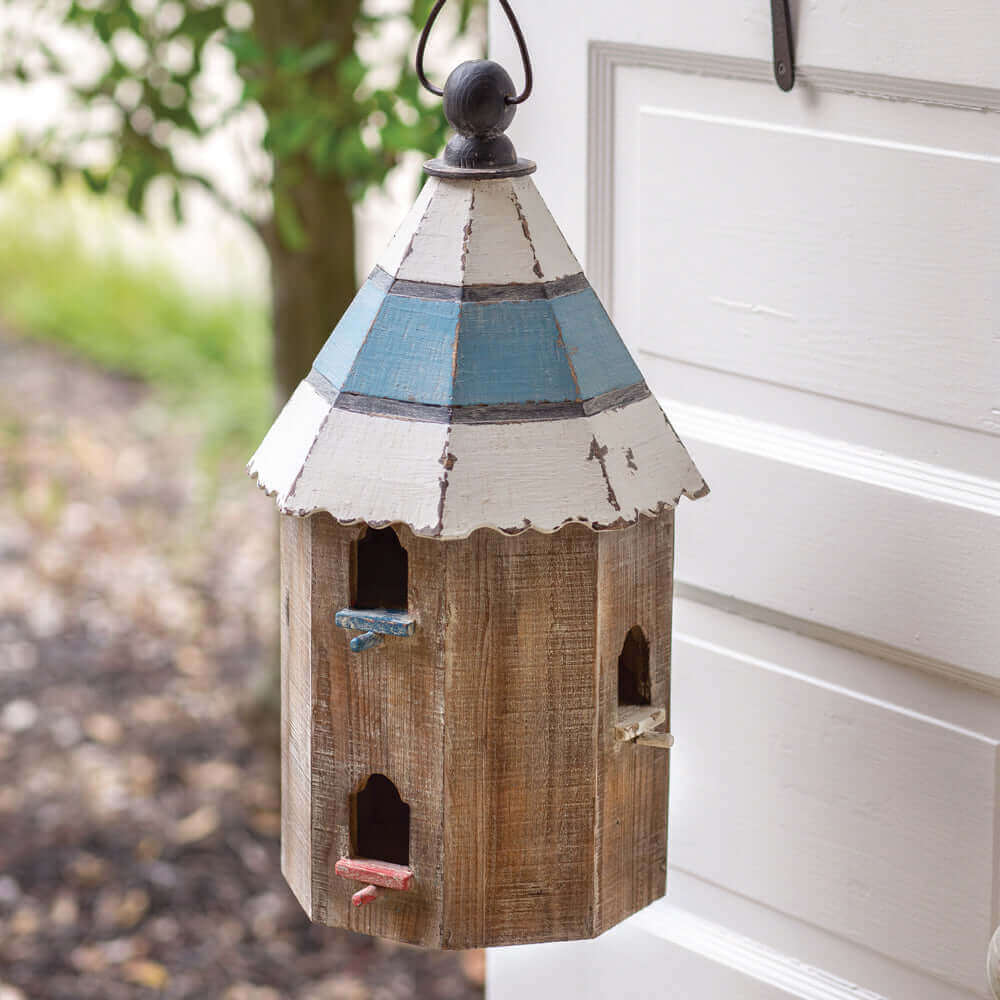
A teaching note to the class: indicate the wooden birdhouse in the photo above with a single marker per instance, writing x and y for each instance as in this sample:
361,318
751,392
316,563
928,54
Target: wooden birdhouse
477,492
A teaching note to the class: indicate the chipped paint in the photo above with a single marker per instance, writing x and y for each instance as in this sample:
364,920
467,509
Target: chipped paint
599,453
467,231
527,232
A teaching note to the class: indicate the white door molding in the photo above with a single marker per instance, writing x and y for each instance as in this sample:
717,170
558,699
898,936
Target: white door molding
607,58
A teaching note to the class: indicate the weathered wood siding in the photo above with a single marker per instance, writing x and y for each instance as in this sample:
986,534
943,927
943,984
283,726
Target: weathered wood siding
377,712
519,738
296,708
495,721
634,587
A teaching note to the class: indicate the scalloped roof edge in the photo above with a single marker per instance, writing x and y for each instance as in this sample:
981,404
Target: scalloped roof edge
438,534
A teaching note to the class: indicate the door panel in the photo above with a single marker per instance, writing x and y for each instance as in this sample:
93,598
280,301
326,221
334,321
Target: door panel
811,283
841,262
828,804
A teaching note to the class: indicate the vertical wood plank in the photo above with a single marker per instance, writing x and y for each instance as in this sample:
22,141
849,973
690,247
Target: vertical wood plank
296,709
635,587
519,738
377,712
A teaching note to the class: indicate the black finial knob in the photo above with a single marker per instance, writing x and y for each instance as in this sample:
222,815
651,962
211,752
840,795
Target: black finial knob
480,100
478,103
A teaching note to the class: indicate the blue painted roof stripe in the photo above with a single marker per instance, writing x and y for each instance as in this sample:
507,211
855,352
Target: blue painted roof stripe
600,359
534,351
335,360
509,352
408,354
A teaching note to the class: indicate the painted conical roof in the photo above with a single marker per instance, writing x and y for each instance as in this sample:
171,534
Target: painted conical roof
476,381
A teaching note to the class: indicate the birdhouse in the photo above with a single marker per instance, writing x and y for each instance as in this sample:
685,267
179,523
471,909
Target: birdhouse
477,491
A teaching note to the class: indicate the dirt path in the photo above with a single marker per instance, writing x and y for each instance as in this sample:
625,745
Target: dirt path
138,813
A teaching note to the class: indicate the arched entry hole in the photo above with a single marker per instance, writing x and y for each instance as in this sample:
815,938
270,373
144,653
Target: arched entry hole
634,686
381,822
381,570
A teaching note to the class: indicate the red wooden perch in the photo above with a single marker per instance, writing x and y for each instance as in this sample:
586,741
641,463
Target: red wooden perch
366,895
375,873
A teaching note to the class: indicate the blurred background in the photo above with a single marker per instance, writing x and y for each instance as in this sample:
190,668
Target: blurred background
189,192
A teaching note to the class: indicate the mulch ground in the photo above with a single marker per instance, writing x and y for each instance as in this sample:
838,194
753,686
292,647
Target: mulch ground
139,801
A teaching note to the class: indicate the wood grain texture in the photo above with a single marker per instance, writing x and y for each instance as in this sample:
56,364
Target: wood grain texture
377,712
496,723
296,708
519,738
634,587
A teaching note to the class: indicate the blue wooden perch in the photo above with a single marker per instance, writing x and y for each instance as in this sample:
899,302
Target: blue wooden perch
365,641
374,624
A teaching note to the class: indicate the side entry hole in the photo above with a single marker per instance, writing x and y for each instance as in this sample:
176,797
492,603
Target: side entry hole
634,687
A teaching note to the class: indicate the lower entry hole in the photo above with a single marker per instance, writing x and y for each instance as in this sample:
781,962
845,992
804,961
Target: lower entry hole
382,822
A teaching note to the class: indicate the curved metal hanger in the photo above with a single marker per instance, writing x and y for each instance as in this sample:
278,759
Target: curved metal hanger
521,44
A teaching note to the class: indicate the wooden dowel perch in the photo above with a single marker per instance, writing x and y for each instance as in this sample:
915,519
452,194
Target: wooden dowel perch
362,642
366,895
662,740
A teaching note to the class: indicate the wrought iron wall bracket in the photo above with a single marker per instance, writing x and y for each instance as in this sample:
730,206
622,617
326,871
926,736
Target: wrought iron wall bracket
781,37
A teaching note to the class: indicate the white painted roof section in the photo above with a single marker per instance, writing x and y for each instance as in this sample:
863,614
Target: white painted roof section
493,232
447,481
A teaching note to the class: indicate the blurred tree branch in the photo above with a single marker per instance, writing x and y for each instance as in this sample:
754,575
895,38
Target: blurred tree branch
336,124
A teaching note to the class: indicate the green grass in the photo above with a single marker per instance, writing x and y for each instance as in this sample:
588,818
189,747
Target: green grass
208,356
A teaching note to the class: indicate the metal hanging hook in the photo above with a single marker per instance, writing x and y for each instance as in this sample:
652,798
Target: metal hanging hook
781,38
521,44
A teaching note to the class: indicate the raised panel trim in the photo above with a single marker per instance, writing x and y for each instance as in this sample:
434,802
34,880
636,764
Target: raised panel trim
744,955
847,849
806,450
606,57
845,640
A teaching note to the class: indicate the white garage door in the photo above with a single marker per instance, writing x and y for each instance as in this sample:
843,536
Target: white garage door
811,283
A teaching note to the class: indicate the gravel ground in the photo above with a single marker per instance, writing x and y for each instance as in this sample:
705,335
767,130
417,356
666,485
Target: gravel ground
139,805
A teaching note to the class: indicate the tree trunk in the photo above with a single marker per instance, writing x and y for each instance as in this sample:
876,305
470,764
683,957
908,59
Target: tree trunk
311,288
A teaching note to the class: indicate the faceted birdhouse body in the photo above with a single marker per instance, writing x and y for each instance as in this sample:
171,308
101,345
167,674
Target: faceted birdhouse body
526,815
478,493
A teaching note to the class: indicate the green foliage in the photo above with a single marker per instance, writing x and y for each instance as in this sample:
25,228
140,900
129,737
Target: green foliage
298,62
210,357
